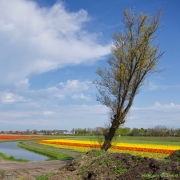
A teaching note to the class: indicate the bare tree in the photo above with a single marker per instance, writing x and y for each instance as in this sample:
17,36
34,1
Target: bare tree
134,57
161,130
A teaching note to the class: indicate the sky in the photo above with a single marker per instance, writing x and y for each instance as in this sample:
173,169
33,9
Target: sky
49,53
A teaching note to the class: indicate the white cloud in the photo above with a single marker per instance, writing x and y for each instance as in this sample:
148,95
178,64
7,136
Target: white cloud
159,107
147,117
56,117
81,96
11,98
44,113
162,87
73,89
23,83
37,39
159,77
48,113
13,114
71,86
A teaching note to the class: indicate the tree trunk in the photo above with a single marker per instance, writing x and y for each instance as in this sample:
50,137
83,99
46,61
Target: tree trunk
109,137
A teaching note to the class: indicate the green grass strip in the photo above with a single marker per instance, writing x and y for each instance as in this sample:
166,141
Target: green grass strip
45,177
11,158
2,173
53,155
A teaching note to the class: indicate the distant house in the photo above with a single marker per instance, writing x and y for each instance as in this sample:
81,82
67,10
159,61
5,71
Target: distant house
67,132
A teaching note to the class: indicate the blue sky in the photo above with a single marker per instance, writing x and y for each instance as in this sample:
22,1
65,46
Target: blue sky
50,50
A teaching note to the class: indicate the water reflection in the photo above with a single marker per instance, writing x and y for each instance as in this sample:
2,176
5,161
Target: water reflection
11,149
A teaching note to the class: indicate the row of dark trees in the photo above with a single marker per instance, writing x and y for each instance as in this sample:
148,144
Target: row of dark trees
156,131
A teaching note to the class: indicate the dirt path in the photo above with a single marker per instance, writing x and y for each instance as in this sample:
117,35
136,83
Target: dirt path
29,170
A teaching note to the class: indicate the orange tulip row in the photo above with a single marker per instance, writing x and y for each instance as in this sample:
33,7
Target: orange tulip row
163,151
71,144
16,137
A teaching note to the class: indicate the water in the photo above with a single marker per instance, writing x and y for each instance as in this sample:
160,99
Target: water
11,149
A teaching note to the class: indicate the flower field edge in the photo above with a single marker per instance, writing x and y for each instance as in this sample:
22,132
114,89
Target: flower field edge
84,146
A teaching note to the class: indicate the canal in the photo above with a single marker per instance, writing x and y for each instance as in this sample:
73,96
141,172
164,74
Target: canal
11,149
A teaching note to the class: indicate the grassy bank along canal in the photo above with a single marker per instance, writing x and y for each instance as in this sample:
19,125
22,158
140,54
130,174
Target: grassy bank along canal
35,147
51,153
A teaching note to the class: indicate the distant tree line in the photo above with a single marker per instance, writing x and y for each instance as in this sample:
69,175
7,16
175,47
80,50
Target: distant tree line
158,130
38,132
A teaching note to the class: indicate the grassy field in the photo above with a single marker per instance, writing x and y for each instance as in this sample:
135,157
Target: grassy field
135,139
